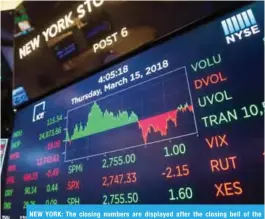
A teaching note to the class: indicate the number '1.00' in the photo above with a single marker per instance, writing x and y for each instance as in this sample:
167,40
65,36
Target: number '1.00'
175,150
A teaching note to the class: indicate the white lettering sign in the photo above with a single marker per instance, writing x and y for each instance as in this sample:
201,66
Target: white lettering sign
29,47
61,25
109,40
58,27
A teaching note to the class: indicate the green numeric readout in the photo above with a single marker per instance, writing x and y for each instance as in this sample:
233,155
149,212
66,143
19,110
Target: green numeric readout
7,205
50,133
184,193
31,202
9,192
51,201
253,110
18,133
15,144
54,119
30,190
177,149
118,161
52,187
121,198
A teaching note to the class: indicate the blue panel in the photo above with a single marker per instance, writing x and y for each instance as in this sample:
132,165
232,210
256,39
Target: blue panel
251,17
235,23
246,20
225,28
240,21
230,25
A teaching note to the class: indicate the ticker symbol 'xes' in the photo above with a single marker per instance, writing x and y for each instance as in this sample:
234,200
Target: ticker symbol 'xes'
228,189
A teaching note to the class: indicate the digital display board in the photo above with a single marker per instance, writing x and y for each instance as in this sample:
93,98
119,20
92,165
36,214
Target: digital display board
181,122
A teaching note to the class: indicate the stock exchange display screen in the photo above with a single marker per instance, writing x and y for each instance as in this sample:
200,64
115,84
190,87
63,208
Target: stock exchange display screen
181,122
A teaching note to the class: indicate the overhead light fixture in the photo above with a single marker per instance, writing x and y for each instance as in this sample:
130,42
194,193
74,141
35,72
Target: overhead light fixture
9,4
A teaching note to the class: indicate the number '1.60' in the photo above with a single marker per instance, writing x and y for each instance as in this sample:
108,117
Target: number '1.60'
180,194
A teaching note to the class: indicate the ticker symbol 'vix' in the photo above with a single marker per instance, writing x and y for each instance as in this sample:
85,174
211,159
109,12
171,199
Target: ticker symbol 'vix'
217,141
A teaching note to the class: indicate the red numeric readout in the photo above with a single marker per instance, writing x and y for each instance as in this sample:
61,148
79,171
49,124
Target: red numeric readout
14,156
10,180
30,176
48,159
177,171
53,173
12,168
73,185
123,178
54,145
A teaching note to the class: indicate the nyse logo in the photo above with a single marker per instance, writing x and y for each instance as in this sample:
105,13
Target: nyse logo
240,26
38,111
